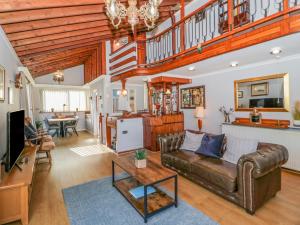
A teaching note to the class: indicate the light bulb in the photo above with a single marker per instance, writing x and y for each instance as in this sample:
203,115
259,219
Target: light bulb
152,10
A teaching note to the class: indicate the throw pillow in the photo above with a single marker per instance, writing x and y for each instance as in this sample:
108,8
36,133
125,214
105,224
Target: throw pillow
236,147
191,141
211,145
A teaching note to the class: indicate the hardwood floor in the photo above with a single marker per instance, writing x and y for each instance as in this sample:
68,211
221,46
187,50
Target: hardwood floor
69,169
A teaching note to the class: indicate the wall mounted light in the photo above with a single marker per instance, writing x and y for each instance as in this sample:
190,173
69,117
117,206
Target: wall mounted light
276,51
234,64
191,68
124,91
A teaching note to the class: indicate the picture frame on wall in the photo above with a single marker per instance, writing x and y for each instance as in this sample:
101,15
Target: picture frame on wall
2,84
192,97
240,94
260,89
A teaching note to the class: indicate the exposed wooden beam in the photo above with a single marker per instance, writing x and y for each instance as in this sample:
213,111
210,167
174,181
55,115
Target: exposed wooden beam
55,40
56,30
38,14
103,31
64,46
47,57
52,70
45,66
69,60
41,62
17,5
56,22
70,36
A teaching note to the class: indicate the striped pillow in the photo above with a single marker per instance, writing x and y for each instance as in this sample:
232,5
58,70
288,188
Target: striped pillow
236,147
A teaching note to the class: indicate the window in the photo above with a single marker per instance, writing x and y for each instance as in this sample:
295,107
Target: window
64,100
77,100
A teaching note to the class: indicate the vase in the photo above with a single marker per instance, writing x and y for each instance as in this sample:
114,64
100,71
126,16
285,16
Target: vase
226,118
140,163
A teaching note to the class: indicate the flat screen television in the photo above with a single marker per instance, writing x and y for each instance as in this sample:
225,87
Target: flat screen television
15,137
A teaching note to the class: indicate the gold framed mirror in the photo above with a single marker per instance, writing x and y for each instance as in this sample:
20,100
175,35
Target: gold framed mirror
266,93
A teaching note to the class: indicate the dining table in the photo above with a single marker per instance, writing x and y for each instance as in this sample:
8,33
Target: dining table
61,121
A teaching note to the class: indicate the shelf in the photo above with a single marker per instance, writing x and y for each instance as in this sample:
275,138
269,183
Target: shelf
155,201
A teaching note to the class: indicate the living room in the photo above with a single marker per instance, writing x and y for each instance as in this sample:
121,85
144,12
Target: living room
189,114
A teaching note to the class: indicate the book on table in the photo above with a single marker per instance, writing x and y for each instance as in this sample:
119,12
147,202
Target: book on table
138,192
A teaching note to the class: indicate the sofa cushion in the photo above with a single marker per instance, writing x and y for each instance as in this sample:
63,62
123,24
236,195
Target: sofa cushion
236,147
192,141
211,145
217,172
180,160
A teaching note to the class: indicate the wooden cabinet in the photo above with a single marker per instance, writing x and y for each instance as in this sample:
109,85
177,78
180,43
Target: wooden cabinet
15,190
157,125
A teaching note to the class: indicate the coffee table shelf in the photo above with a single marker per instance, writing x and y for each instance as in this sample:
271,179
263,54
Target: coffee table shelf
149,204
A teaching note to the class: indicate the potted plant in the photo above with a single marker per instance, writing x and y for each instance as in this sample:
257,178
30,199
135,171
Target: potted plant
39,125
296,114
140,158
226,113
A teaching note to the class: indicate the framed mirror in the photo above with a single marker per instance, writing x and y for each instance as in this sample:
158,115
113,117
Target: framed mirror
2,83
267,93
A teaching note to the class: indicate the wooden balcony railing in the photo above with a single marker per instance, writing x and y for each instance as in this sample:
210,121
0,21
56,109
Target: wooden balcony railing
124,59
219,24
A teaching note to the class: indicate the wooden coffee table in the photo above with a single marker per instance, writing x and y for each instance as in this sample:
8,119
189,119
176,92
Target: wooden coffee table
153,175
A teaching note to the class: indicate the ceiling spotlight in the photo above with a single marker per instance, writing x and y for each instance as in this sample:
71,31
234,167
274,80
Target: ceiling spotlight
234,64
191,68
275,51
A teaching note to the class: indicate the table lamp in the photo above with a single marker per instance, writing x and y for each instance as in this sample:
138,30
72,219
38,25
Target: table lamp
199,113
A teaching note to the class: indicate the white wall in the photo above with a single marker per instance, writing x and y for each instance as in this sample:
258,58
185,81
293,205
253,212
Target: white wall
73,76
10,62
219,88
104,88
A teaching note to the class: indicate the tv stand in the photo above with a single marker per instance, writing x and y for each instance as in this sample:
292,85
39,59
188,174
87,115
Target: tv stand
15,189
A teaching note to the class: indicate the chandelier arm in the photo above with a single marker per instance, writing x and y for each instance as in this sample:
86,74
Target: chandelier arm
116,26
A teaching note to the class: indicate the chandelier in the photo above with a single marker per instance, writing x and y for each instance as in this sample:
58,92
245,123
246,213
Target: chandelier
148,12
58,76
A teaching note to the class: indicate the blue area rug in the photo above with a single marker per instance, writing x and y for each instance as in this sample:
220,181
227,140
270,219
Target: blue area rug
98,203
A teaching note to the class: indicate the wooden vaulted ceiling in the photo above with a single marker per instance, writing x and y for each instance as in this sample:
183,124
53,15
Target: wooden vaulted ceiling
57,34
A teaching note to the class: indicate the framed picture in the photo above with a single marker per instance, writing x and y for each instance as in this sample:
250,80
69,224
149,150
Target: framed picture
2,83
260,89
192,97
240,94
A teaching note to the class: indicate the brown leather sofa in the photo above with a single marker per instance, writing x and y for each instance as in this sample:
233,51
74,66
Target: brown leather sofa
253,181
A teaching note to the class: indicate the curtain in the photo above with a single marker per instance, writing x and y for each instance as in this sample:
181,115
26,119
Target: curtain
77,100
54,99
64,100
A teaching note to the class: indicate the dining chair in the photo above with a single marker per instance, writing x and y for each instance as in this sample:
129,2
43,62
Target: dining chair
31,131
44,147
71,125
51,127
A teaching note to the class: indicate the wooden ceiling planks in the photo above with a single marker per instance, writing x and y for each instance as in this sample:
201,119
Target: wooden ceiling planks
50,34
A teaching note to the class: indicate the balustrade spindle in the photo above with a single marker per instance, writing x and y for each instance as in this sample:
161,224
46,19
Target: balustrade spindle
294,3
265,6
278,4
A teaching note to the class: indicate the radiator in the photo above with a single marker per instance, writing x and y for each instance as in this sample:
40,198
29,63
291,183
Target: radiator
290,138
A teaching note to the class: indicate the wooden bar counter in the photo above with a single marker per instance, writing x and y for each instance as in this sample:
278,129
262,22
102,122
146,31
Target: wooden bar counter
15,190
157,125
